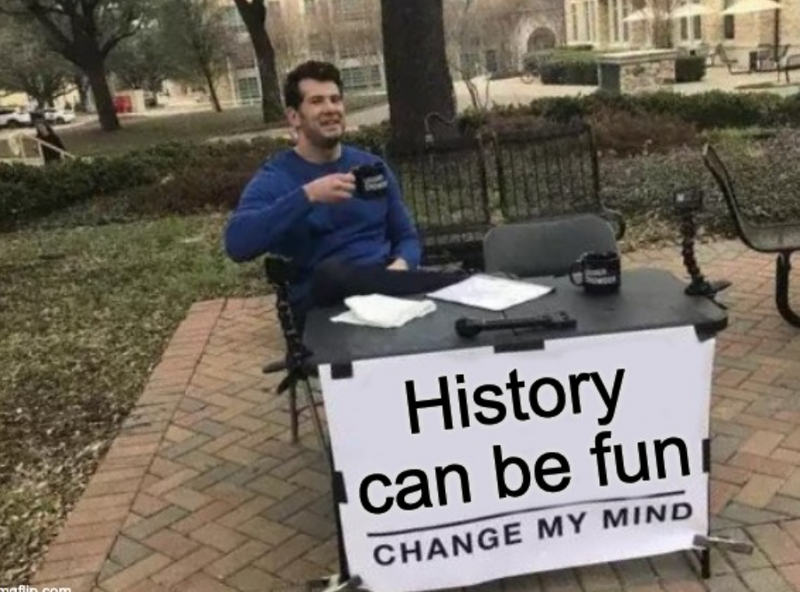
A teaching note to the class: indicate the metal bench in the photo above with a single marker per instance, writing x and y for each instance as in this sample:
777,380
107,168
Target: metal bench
783,239
457,190
550,171
445,186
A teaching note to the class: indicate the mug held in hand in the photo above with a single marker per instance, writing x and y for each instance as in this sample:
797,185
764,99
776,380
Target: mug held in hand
598,273
371,181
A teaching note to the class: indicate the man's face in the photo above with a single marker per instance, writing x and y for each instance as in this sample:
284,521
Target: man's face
321,116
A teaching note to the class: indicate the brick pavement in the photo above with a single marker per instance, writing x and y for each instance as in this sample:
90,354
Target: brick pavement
201,491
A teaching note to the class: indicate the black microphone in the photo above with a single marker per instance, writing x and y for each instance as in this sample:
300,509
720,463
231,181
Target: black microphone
470,328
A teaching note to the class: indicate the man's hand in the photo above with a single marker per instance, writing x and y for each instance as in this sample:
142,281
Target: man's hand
398,264
331,188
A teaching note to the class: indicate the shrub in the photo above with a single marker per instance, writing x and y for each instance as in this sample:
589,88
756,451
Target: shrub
622,132
570,71
188,193
690,69
709,110
27,193
184,178
642,186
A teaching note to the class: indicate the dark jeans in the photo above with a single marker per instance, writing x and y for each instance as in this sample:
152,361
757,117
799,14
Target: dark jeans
334,281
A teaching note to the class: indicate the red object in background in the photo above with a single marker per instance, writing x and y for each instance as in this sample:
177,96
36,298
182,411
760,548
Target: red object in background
123,104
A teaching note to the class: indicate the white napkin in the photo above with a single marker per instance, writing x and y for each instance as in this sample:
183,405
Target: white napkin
381,311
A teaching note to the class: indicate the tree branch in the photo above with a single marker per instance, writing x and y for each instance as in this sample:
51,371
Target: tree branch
63,44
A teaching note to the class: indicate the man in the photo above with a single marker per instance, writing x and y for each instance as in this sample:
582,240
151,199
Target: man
304,205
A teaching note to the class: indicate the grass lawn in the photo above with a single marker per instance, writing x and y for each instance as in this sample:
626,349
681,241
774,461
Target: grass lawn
85,314
141,132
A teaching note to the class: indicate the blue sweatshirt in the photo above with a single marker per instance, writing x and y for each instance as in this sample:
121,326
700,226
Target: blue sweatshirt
274,216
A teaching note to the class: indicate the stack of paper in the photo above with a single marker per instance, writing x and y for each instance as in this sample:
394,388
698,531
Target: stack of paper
491,293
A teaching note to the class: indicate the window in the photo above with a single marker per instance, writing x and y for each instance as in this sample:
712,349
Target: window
361,77
618,29
697,27
349,10
470,64
626,28
691,27
587,22
232,19
573,11
248,89
728,23
349,51
319,44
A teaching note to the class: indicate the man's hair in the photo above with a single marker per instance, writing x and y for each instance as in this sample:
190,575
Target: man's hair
314,70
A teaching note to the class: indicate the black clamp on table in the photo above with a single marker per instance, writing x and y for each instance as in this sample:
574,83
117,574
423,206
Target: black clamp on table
687,203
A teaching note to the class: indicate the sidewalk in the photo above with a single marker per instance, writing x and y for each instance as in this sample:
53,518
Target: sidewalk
202,492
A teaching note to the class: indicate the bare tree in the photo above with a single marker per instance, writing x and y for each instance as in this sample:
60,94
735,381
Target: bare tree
288,34
139,61
473,26
418,79
29,66
254,15
85,32
461,24
659,26
196,42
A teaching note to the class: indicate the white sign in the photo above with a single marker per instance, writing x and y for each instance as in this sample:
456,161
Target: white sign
467,466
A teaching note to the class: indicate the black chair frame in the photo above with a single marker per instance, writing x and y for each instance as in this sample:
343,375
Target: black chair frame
783,238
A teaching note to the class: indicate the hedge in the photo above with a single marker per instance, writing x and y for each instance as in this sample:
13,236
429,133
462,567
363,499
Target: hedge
709,110
573,72
690,69
640,186
180,177
27,192
581,69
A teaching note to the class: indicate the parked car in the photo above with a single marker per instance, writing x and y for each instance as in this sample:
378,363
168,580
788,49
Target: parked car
14,117
57,116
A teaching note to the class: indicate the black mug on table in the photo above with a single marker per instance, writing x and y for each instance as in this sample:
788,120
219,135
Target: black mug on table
597,273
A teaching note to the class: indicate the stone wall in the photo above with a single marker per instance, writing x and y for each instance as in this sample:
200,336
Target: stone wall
637,72
647,77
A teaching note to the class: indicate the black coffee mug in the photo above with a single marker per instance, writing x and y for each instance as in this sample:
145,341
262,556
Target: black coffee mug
597,273
371,181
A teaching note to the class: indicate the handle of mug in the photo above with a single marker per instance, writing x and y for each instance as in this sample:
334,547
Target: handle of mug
576,268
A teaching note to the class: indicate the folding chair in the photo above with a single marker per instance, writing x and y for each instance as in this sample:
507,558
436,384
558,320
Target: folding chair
546,247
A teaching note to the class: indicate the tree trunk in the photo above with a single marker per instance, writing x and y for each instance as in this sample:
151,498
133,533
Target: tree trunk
212,90
98,81
418,79
254,15
271,104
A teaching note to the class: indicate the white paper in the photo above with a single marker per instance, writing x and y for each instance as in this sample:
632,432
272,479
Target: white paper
491,293
376,310
663,395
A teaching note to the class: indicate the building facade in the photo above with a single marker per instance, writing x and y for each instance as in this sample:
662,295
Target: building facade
497,34
345,32
601,23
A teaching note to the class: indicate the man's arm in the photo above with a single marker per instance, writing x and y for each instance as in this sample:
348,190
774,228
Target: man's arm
400,229
263,216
